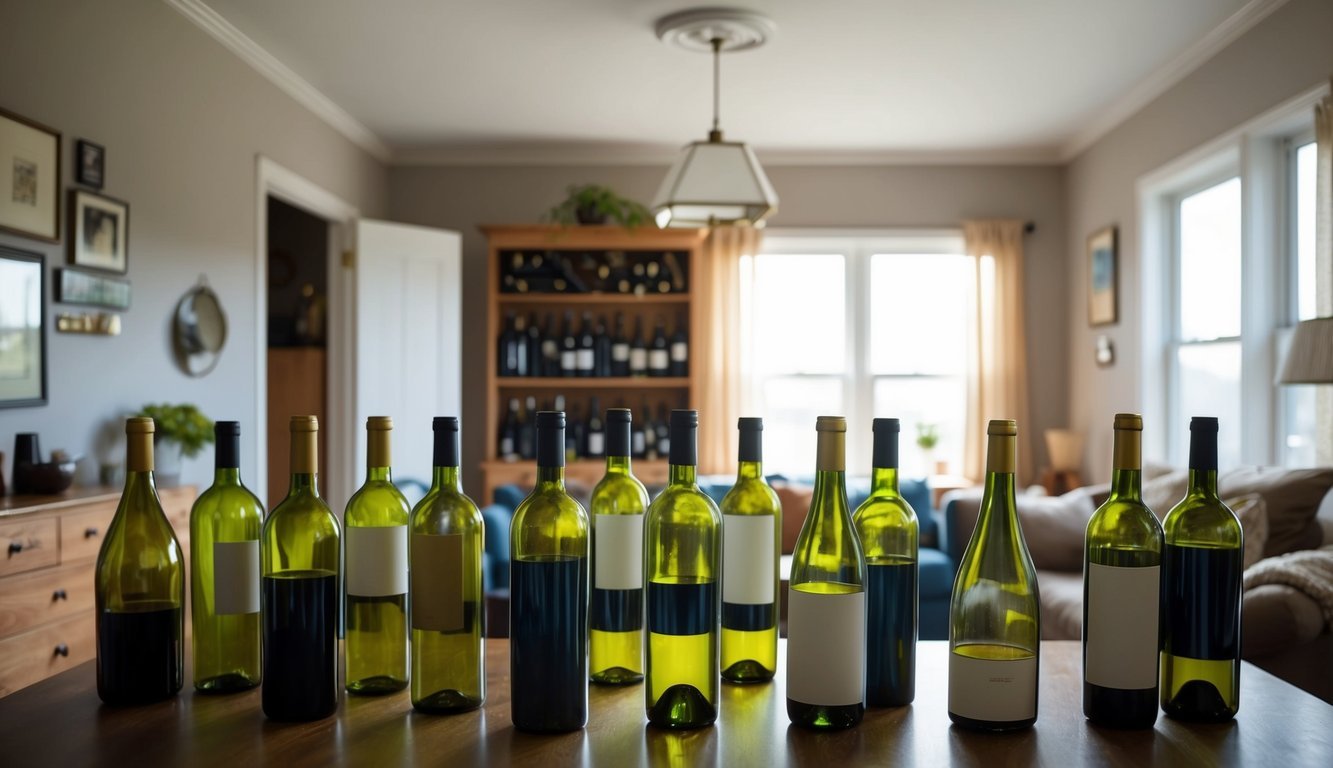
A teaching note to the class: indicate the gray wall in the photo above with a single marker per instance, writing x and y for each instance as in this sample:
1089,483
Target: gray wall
182,120
1289,52
461,198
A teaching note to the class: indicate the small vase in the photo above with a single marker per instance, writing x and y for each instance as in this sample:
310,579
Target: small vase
167,463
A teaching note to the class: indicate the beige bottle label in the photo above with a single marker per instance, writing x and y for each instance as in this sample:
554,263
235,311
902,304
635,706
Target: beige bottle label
377,561
235,577
826,648
994,690
1121,632
437,582
748,548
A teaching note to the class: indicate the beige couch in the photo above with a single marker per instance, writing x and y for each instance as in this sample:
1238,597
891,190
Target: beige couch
1283,629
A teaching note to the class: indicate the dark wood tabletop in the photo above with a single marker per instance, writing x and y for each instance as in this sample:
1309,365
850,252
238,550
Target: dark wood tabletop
61,722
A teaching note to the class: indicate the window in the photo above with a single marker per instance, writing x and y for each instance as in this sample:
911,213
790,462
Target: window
1298,438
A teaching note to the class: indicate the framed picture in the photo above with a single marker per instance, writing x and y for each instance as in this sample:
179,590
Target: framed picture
22,328
99,231
75,287
29,178
90,164
1103,278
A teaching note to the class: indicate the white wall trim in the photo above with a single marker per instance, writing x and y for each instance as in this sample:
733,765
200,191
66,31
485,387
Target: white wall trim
537,153
1167,76
295,86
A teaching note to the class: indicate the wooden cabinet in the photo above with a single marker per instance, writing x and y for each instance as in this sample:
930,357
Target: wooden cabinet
46,578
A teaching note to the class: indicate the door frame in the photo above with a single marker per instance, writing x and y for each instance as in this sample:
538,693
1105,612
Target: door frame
274,180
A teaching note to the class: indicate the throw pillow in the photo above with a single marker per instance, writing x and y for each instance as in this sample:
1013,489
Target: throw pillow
1165,491
1292,497
1054,528
1252,512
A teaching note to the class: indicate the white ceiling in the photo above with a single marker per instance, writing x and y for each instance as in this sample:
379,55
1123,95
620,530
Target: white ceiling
1022,80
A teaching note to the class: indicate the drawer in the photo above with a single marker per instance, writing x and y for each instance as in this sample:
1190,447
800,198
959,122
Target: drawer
31,600
28,544
46,651
81,533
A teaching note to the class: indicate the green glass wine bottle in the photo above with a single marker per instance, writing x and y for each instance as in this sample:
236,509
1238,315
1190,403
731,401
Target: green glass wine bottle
888,528
225,524
615,625
826,603
376,520
1202,568
139,588
1122,578
448,606
300,553
994,612
752,541
681,566
548,595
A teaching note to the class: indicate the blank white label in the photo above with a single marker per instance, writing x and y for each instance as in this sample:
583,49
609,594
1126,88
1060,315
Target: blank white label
586,360
437,582
620,352
996,690
618,551
377,561
658,360
1121,633
638,359
680,351
748,546
596,443
235,577
826,648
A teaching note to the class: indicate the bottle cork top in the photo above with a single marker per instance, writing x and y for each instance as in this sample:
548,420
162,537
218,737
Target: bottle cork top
379,422
1132,421
831,424
304,424
1002,428
139,425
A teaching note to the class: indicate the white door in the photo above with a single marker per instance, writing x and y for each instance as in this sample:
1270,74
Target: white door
408,338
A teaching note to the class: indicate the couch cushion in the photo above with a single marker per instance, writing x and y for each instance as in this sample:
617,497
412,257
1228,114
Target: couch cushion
1054,528
1061,604
1165,491
1292,497
935,574
1252,512
1275,617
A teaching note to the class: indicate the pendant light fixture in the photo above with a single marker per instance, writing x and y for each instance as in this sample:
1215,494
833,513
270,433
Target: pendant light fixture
715,182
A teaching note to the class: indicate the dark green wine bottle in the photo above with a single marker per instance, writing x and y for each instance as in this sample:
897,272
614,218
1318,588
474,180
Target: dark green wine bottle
615,625
752,541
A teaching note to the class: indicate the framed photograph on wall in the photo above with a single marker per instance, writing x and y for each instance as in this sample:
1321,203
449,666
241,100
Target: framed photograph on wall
99,231
1103,278
29,178
89,163
22,328
76,287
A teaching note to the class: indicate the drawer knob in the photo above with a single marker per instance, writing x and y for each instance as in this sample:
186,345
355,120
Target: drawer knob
59,594
15,547
89,532
61,650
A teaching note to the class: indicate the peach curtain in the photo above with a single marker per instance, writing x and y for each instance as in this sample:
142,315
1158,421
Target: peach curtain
716,363
1323,121
997,382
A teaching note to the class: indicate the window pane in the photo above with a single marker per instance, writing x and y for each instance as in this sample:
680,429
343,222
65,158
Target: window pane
799,314
1210,262
1210,386
1299,441
1305,202
790,406
938,401
917,322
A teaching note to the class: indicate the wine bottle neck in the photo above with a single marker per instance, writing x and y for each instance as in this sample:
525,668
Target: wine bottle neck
379,475
551,477
750,470
828,481
303,482
1203,482
1126,484
444,479
617,465
682,474
999,493
884,481
227,476
139,482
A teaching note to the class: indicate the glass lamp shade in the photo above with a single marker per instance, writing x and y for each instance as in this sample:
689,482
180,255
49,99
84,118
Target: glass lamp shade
1310,354
714,182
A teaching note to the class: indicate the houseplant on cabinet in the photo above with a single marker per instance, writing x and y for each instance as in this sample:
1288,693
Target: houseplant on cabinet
596,204
182,431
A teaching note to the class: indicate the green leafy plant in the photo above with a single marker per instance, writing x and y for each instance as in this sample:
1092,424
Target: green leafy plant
183,423
927,436
596,204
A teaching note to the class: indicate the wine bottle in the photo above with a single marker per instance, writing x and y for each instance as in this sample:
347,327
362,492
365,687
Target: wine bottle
587,352
569,349
519,346
638,351
548,595
575,433
550,348
888,528
534,347
682,563
1201,593
680,350
619,349
663,427
448,607
377,516
601,349
506,349
225,523
659,355
649,434
826,603
595,436
1121,579
300,555
527,441
751,543
509,432
638,438
994,612
615,626
139,588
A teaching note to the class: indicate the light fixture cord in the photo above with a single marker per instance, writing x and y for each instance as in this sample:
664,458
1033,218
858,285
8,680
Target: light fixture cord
716,134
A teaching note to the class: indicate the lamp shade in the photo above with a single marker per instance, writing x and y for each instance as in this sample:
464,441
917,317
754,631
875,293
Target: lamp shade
714,182
1310,354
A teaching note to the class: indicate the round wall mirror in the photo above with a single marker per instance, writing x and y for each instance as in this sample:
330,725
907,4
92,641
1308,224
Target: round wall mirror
199,330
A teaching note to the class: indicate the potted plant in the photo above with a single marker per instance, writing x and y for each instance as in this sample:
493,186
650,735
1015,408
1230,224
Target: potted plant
180,431
596,204
927,437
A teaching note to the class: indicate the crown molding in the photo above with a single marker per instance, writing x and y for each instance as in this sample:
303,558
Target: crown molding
530,154
1170,74
266,64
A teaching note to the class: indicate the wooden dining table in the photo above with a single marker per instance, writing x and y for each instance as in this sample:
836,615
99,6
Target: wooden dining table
61,722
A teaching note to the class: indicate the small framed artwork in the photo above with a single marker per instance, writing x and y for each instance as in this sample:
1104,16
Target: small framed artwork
29,178
99,231
1103,298
22,328
76,287
90,164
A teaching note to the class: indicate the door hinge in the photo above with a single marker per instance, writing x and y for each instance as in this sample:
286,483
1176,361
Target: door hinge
349,259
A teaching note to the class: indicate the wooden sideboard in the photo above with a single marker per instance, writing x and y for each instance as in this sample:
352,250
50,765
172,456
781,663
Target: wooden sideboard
46,576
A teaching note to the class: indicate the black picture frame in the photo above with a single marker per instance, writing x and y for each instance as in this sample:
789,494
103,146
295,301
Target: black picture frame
91,289
99,232
30,177
23,371
89,163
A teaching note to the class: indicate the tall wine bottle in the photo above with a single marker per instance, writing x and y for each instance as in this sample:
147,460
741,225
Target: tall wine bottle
376,520
1122,578
994,612
889,533
826,604
139,588
448,606
615,627
300,555
548,595
752,541
1201,592
225,523
682,563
